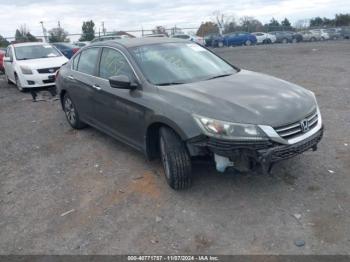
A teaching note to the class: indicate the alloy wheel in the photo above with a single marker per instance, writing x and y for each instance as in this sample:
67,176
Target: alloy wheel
70,111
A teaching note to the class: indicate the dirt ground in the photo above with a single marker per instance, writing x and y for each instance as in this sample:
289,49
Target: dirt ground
81,192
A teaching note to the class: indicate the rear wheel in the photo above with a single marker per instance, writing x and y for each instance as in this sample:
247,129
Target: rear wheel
294,40
71,113
313,39
18,84
175,159
284,41
248,43
322,38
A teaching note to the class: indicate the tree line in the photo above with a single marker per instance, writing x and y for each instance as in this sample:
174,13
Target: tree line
222,24
227,24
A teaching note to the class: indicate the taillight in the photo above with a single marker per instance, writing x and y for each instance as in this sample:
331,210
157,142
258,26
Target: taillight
75,50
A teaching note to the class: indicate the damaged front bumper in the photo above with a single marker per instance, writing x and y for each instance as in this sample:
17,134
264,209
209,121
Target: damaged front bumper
248,155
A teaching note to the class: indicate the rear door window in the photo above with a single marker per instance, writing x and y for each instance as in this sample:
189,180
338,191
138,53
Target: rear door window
88,60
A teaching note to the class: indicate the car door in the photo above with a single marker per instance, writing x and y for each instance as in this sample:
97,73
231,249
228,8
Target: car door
82,79
118,111
8,66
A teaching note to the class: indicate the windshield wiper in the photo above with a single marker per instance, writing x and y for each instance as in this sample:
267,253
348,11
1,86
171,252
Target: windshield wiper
170,84
223,75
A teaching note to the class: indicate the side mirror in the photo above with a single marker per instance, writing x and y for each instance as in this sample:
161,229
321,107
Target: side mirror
122,82
7,59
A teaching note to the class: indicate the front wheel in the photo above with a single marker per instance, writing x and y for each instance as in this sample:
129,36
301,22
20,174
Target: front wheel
284,41
71,113
18,84
294,40
175,159
7,79
248,43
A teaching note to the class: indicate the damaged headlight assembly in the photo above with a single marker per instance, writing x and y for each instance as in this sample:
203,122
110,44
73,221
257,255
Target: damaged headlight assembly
230,131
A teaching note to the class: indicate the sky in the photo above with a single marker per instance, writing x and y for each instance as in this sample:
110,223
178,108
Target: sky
146,14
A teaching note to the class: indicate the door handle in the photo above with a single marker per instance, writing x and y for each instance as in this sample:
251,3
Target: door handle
97,87
71,77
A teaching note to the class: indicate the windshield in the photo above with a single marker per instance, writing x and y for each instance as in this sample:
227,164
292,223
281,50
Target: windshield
178,63
35,52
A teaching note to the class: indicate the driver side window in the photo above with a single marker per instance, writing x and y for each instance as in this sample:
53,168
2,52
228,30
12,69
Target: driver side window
113,63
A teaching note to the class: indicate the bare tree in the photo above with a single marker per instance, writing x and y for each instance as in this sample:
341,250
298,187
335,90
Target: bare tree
223,20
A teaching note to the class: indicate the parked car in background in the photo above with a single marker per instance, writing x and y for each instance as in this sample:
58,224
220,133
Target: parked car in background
239,38
194,38
214,40
282,37
82,43
309,36
177,101
321,33
155,35
296,36
345,32
67,49
2,54
264,38
334,33
30,65
106,38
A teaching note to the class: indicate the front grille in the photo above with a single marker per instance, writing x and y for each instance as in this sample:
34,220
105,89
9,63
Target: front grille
50,70
284,152
48,81
294,129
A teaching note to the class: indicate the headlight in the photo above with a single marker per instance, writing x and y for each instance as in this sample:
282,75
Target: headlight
231,131
26,70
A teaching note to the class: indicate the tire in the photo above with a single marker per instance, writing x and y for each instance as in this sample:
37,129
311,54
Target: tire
268,41
313,39
220,44
7,79
248,43
322,38
18,84
294,40
284,41
175,159
71,113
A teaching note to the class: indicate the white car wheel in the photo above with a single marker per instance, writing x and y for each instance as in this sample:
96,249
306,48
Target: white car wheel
18,84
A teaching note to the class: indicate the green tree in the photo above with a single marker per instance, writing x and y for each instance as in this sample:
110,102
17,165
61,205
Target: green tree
88,30
58,34
274,22
23,35
342,19
207,28
3,42
286,23
316,21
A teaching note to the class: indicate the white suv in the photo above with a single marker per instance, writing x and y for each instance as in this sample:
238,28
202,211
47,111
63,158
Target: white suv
264,38
30,65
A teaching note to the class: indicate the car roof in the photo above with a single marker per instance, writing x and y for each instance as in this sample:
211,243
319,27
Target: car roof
133,42
29,44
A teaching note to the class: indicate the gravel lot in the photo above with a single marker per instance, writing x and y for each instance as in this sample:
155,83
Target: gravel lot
119,203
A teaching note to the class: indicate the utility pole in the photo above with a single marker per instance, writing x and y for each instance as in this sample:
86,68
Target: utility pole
44,31
103,28
59,24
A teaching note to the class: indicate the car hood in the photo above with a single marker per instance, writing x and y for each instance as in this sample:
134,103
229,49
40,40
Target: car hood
44,62
244,97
